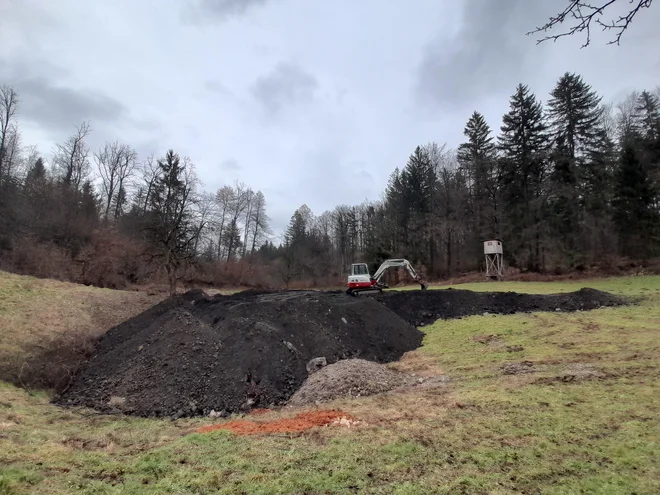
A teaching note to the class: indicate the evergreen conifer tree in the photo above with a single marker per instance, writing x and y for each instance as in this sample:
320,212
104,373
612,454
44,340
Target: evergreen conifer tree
478,160
575,114
524,143
582,167
634,215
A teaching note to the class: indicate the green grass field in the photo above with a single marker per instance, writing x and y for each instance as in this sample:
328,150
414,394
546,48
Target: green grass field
554,431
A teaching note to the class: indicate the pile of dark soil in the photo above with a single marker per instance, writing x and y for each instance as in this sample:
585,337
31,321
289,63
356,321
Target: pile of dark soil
425,307
193,354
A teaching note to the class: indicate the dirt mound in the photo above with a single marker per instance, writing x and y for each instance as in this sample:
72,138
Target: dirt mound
348,378
425,307
193,354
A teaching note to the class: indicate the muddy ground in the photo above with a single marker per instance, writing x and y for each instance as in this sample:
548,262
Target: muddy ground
193,354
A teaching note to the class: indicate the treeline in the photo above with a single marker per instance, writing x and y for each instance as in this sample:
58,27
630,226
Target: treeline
110,219
565,184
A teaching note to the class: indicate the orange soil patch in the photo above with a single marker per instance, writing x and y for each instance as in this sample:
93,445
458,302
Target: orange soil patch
300,422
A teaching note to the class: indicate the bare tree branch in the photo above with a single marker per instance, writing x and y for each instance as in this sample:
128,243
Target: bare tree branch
583,14
72,157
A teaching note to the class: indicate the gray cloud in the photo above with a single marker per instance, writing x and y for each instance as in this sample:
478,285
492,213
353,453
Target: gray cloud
216,87
230,165
287,85
223,9
488,55
54,107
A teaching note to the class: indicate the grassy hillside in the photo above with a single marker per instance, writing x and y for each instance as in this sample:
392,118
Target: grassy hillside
585,421
44,323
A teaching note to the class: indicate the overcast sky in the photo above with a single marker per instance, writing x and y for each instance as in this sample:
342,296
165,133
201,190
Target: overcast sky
312,102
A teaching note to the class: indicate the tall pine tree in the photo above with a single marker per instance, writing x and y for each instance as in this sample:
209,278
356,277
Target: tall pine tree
418,184
581,167
647,129
634,215
524,144
575,114
647,116
478,160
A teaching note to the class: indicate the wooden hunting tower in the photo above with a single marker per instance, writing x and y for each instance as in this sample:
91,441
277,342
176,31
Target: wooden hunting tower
494,259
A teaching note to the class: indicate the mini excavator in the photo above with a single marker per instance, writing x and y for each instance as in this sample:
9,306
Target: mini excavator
360,282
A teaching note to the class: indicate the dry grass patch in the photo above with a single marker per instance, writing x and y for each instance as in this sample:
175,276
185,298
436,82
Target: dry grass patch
47,326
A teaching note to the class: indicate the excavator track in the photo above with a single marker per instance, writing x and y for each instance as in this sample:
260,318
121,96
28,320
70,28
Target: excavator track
359,292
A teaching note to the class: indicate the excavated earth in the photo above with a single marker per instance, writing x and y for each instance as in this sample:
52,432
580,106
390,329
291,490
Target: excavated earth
193,354
421,308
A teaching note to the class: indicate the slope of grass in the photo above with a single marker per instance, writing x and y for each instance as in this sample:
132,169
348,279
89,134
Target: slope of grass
34,313
484,432
33,309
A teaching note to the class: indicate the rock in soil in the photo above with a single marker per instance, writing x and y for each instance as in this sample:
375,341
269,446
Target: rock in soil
194,354
349,378
316,364
425,307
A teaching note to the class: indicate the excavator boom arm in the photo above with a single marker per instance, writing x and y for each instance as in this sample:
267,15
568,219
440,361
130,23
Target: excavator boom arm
398,263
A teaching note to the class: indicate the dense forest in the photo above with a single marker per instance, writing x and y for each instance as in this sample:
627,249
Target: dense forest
566,184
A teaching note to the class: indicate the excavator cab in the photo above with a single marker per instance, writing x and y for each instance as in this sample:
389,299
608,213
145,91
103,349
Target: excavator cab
359,269
359,279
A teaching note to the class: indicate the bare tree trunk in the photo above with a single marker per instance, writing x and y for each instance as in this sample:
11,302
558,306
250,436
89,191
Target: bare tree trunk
257,222
8,107
248,219
171,278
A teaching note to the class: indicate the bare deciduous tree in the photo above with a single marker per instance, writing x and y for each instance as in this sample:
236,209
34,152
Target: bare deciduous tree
609,120
260,221
8,108
148,174
203,214
237,207
625,116
247,218
583,14
116,164
30,156
223,198
12,151
72,157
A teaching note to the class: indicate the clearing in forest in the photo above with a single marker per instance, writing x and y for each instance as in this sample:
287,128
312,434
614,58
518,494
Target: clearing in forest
541,402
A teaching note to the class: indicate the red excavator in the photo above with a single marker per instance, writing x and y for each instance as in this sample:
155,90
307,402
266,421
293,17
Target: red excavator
360,282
